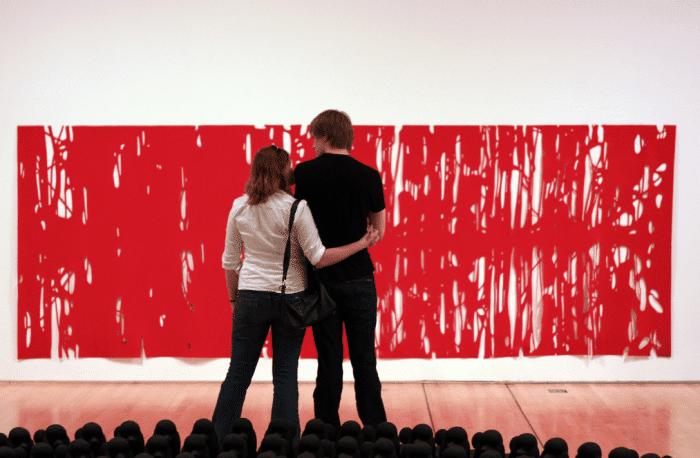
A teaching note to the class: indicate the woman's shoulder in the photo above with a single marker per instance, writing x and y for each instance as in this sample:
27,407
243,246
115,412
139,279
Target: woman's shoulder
303,209
288,200
239,203
281,198
281,201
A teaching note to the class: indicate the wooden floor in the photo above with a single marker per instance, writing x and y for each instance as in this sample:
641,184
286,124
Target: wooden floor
659,418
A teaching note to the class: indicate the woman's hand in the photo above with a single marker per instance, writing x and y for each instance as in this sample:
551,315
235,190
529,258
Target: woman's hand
337,254
371,237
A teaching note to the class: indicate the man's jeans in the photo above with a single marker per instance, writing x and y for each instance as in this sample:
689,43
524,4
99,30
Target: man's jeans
357,308
254,314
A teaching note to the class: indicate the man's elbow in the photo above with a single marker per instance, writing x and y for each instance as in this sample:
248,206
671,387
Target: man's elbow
378,221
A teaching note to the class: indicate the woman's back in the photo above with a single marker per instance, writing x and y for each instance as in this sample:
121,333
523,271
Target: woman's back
260,232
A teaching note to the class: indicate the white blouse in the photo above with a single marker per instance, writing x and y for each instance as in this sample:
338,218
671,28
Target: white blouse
261,230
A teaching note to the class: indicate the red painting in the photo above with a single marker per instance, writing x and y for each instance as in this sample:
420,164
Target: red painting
501,241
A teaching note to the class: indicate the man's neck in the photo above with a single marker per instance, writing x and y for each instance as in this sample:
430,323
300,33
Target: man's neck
337,151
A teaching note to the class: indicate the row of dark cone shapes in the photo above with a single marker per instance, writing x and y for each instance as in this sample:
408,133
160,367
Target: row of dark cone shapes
318,440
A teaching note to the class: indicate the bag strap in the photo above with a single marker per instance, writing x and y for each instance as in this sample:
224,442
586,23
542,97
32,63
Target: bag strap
288,248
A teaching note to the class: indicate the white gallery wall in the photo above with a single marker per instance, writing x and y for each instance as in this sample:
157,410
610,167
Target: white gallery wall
86,62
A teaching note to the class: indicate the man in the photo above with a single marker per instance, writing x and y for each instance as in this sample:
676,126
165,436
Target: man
344,195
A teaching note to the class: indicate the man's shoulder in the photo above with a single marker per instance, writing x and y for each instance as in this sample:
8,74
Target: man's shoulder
333,164
362,171
306,165
352,162
367,168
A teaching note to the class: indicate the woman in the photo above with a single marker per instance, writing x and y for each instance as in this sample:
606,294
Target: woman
259,223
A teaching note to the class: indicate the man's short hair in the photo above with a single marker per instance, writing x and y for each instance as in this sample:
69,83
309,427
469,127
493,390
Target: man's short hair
335,126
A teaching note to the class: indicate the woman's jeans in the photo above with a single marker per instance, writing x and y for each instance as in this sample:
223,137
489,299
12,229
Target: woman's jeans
255,312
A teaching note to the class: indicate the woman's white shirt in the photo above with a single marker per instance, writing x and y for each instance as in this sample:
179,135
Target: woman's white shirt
260,233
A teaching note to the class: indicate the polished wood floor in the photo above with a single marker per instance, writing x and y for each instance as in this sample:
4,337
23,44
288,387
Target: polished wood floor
659,418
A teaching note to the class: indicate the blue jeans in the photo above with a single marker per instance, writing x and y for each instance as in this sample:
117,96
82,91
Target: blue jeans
254,314
357,309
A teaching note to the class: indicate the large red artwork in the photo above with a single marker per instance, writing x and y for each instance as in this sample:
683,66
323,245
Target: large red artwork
502,240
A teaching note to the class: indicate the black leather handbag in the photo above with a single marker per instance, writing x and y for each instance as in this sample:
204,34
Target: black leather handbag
316,304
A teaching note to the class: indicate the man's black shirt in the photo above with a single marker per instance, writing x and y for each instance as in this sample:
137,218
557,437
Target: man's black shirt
341,192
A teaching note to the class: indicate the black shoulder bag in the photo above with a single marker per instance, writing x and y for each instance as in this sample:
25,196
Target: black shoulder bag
316,304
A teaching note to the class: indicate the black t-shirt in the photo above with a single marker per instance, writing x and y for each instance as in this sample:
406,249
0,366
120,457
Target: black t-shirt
341,191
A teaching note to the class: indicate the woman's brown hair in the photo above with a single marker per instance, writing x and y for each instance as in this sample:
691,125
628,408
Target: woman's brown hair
268,174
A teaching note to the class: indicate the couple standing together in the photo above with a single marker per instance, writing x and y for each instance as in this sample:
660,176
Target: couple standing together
340,215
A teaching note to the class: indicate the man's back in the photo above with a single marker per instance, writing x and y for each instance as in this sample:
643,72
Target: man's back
341,193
